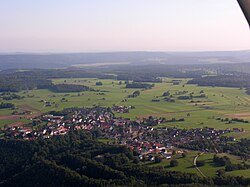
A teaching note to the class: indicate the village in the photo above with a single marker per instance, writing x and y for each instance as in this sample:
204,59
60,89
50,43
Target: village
141,135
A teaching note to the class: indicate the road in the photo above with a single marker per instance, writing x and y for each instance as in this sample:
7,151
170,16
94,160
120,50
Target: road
195,165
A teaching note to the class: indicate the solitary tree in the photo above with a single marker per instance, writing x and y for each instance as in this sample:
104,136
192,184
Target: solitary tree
173,163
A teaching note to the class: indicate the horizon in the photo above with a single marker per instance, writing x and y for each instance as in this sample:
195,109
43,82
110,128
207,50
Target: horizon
98,52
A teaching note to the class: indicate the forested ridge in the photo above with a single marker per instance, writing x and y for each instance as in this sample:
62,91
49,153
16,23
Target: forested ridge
18,81
236,81
15,80
222,75
76,159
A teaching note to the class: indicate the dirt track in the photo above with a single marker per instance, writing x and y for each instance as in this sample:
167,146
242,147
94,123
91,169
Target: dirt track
26,107
17,124
17,117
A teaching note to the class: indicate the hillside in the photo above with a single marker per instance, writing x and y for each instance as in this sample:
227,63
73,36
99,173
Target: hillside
30,61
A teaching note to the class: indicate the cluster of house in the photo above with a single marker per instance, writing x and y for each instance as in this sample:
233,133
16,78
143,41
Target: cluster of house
136,134
18,132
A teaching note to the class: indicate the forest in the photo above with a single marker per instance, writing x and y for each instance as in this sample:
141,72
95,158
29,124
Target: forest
41,78
139,85
236,81
18,81
77,159
69,88
203,74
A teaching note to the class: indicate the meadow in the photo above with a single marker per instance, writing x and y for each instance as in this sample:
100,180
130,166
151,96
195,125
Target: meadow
202,112
209,169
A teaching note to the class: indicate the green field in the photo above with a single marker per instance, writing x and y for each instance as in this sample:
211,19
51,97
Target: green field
221,102
209,169
185,164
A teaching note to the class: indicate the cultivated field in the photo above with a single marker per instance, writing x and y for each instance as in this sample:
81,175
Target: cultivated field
201,112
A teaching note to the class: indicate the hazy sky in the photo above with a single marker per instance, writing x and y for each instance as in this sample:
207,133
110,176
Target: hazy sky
121,25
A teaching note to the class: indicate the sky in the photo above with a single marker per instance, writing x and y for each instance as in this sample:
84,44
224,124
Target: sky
122,25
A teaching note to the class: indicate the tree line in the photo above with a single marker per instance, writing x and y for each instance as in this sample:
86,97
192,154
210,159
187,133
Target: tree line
236,81
240,148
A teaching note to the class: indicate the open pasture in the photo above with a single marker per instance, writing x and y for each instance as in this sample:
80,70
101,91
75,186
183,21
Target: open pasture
200,112
209,169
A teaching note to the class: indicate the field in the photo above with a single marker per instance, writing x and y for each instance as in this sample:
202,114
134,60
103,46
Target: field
202,112
209,169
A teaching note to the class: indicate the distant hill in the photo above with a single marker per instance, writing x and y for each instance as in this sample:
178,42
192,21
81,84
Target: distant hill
45,61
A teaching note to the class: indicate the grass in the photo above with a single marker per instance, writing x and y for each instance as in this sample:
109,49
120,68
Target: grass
105,141
222,102
4,123
209,169
184,164
244,173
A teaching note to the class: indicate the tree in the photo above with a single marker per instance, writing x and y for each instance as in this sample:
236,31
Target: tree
158,159
165,94
221,172
174,163
135,94
184,155
98,83
7,105
200,163
136,160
